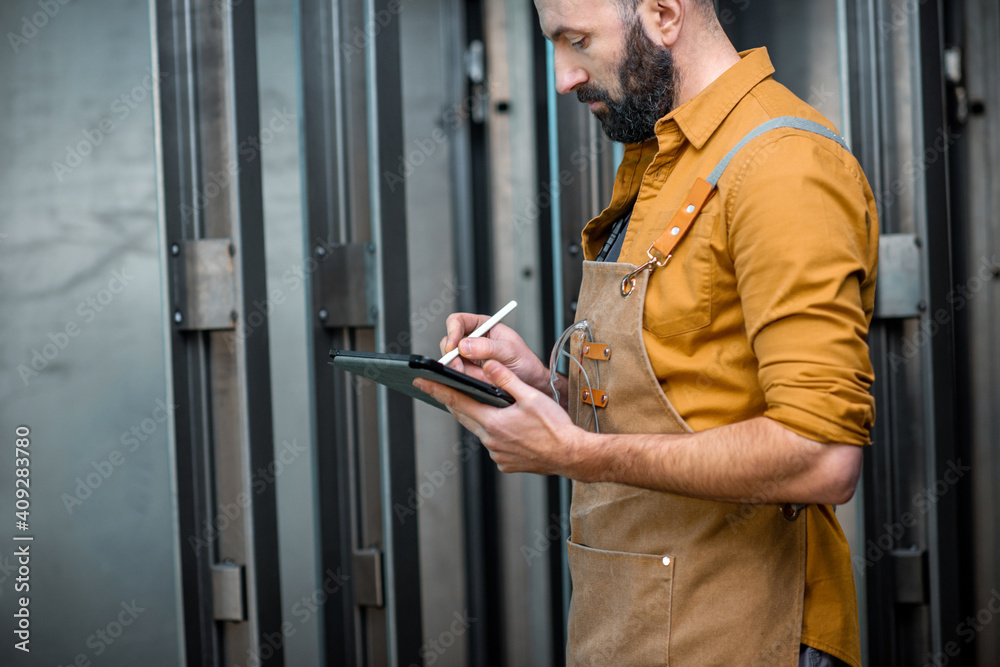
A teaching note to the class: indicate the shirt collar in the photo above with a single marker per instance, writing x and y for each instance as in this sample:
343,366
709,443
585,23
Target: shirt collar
701,116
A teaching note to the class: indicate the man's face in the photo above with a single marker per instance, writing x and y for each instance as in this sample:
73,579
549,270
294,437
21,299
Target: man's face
611,63
645,91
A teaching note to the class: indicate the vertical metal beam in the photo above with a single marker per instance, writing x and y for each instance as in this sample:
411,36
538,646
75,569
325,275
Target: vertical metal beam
209,182
352,109
325,203
939,377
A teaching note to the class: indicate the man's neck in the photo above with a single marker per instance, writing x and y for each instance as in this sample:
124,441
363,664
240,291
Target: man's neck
701,62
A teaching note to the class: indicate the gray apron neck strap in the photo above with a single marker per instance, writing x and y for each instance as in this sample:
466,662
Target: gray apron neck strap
774,124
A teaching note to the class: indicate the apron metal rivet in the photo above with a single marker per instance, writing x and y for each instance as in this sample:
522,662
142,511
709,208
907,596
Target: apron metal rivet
666,560
690,208
675,231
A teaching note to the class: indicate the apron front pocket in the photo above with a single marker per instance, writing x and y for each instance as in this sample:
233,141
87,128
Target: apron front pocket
620,609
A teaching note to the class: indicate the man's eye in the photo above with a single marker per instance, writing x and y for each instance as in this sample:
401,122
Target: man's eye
579,44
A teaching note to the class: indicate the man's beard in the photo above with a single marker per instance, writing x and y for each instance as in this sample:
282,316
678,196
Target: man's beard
647,79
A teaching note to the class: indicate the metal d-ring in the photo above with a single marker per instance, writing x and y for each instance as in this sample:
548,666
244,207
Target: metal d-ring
628,282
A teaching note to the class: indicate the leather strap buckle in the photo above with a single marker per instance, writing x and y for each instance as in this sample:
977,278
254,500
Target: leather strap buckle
596,351
594,397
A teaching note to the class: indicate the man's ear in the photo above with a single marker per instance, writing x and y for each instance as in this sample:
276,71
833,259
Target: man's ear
663,19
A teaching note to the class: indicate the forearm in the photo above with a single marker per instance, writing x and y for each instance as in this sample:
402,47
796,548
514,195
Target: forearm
755,461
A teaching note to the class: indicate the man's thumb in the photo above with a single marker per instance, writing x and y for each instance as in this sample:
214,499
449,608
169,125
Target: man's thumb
501,376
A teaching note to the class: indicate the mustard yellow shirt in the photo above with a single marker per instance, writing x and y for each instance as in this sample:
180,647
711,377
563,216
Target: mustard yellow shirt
765,306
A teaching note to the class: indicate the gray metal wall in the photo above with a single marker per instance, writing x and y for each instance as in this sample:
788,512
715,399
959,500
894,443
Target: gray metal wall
978,291
81,337
291,363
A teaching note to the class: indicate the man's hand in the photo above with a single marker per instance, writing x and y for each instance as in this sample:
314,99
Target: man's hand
532,435
501,343
757,461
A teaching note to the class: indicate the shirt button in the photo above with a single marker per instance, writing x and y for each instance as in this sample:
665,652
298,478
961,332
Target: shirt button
666,560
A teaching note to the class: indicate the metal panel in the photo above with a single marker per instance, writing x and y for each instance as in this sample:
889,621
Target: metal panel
82,339
898,293
346,282
289,350
976,299
206,289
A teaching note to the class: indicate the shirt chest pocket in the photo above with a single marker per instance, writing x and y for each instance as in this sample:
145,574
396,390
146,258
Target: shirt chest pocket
679,296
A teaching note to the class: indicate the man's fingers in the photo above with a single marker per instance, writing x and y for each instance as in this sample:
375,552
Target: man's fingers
488,348
501,376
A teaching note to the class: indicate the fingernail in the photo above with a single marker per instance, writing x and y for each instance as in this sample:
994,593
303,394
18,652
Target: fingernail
466,346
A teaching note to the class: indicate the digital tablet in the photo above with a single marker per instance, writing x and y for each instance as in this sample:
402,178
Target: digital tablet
398,371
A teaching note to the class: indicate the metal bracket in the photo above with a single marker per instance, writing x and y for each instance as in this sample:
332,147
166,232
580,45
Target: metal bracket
898,294
910,566
205,284
347,280
367,566
229,592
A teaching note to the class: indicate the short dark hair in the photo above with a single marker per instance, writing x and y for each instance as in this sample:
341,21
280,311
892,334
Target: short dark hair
628,7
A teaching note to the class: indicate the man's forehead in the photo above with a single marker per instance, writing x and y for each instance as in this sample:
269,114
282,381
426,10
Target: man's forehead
574,16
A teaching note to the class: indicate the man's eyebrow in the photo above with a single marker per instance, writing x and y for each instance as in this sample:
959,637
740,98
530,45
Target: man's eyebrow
557,33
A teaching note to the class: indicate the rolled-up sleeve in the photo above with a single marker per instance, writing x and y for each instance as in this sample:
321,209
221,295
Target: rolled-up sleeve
804,242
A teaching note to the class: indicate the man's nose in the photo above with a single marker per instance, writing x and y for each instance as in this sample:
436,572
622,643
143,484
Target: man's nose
569,76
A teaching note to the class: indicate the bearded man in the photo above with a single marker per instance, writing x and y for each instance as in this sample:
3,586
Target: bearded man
717,399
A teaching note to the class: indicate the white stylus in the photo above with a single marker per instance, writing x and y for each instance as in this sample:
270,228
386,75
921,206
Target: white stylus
483,328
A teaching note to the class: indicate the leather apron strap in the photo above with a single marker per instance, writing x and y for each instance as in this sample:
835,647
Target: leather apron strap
663,247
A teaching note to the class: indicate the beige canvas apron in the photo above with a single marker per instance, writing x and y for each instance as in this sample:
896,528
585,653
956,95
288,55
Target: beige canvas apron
662,579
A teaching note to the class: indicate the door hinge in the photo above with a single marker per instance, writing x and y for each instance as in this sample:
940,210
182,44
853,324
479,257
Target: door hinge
367,565
229,591
205,284
347,281
910,568
898,293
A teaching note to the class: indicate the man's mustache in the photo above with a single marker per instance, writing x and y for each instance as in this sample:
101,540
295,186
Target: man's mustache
586,95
